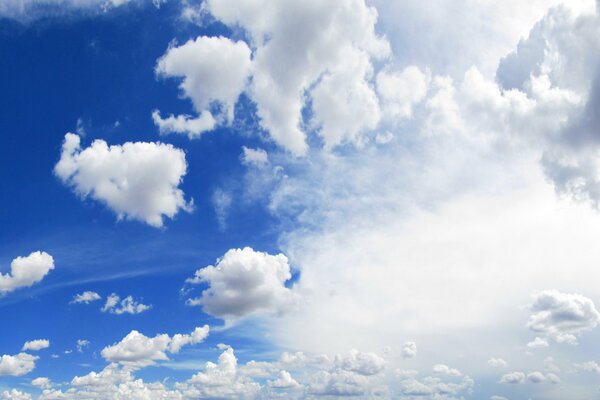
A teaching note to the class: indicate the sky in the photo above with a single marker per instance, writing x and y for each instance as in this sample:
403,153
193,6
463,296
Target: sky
251,199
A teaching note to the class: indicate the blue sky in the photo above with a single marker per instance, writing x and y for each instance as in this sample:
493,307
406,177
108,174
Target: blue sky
324,199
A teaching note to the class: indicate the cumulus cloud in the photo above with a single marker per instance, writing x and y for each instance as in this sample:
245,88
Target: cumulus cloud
294,61
36,345
497,363
86,297
137,180
284,381
361,363
244,282
214,72
401,91
409,350
42,383
179,340
255,157
25,271
15,394
17,365
138,351
81,344
562,317
128,305
513,378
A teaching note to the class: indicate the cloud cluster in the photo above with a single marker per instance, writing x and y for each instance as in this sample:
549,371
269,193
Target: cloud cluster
25,271
214,72
562,317
128,305
137,350
86,297
136,180
17,365
243,283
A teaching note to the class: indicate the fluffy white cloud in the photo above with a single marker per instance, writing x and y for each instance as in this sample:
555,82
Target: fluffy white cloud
513,378
244,282
301,45
214,72
443,369
361,363
15,394
221,380
136,180
17,365
562,317
256,157
137,350
401,90
35,345
81,344
86,297
409,350
42,383
25,271
497,363
284,381
128,305
179,340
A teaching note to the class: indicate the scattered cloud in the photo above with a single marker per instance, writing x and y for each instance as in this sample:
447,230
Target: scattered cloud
36,345
25,271
86,297
114,305
137,180
17,365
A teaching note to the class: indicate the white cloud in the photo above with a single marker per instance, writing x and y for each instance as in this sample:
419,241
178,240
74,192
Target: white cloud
562,317
36,345
137,350
284,381
42,383
497,363
221,380
179,340
25,271
300,45
17,365
443,369
81,344
538,343
361,363
401,90
86,297
513,378
15,394
29,10
214,70
136,180
589,366
409,350
243,283
255,157
128,305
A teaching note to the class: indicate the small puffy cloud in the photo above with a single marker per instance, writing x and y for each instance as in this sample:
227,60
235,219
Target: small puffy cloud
409,350
401,91
128,305
498,398
81,344
244,282
513,378
137,180
179,340
25,271
538,343
589,366
443,369
284,381
361,363
42,383
497,363
562,317
14,394
36,345
254,157
137,350
86,297
221,380
17,365
214,72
